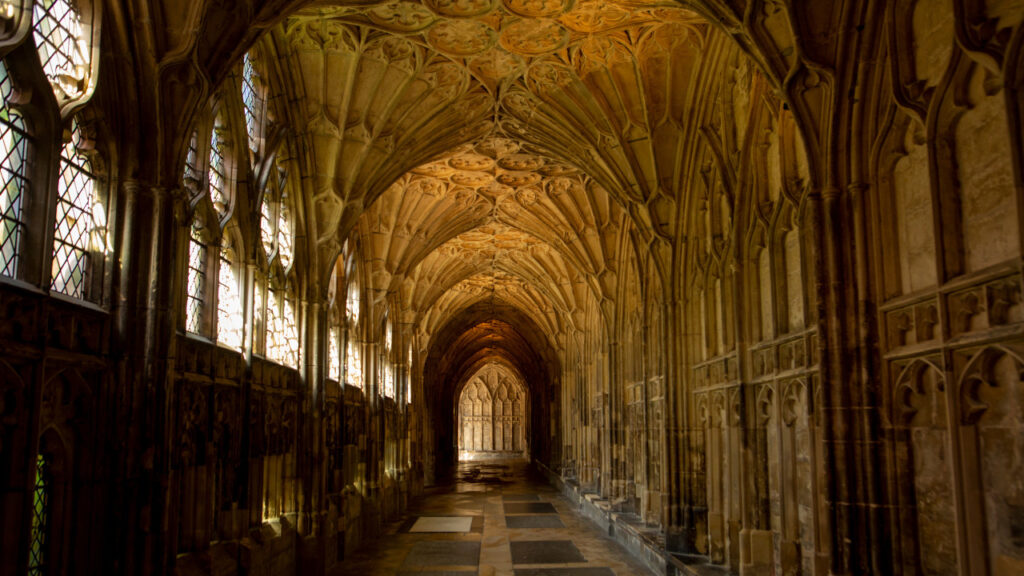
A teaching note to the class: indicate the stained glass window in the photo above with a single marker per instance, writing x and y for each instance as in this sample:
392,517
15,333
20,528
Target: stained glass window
252,102
217,172
389,371
260,317
193,174
267,225
353,356
353,362
40,517
13,145
274,332
334,354
284,237
196,276
74,224
229,301
63,48
290,352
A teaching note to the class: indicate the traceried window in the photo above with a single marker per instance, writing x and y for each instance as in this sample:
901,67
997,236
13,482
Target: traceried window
389,369
252,103
274,332
268,226
276,236
291,331
75,224
285,249
353,356
41,507
282,331
217,171
63,47
197,258
259,340
193,175
334,348
229,300
13,148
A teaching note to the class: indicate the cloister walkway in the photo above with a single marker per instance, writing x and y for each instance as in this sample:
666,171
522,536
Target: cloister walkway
497,518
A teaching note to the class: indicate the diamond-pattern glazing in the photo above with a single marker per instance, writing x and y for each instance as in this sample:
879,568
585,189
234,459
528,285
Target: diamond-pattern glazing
63,48
216,172
252,103
74,222
229,302
40,517
196,279
13,147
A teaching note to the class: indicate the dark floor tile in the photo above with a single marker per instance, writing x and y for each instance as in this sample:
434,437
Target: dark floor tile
564,572
529,508
541,521
440,573
443,553
519,497
545,552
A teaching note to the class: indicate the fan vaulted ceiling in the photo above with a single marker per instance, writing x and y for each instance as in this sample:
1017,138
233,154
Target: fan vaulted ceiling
492,150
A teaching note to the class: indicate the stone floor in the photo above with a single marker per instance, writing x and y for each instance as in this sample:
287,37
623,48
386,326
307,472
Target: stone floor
493,519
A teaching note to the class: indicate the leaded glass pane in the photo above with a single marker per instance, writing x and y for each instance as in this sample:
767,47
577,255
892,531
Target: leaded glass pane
193,173
13,146
74,223
353,362
260,317
334,351
40,517
252,103
196,278
229,302
267,227
217,173
290,352
274,332
285,249
389,380
62,46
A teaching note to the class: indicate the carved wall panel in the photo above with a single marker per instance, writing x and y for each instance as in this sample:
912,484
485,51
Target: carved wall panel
492,414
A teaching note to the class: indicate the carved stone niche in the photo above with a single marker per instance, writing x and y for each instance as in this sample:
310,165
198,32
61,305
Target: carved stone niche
967,311
792,355
763,361
912,324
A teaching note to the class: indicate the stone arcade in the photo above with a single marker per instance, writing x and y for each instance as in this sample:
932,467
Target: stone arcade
744,277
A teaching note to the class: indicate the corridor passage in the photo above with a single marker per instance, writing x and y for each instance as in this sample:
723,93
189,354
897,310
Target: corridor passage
497,518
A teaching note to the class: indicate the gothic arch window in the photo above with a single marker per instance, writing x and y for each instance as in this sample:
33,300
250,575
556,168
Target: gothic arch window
229,296
388,384
334,345
50,507
80,227
252,102
42,496
198,252
277,238
282,332
13,184
217,168
214,289
65,32
353,353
